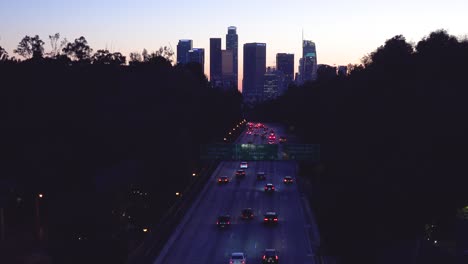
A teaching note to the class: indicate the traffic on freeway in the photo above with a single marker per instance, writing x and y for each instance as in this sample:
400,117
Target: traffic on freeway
249,212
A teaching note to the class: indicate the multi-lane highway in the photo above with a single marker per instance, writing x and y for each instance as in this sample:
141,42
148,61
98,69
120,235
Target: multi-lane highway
198,240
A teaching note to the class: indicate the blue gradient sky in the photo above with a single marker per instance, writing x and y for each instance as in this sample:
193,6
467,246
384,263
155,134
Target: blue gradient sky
343,31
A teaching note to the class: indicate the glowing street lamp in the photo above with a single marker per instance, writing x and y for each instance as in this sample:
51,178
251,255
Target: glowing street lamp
40,195
194,174
145,230
177,193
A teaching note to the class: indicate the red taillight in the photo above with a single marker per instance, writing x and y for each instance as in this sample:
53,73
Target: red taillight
276,257
229,222
273,187
264,257
217,222
265,219
225,180
276,219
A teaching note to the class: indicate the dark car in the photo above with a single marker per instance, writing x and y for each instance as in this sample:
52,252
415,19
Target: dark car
224,221
282,139
270,218
261,176
247,213
240,173
269,187
270,256
223,179
288,179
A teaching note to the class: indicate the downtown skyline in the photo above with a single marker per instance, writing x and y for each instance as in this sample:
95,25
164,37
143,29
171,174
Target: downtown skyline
343,32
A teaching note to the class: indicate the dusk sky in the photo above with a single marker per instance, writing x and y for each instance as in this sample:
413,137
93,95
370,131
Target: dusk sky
343,31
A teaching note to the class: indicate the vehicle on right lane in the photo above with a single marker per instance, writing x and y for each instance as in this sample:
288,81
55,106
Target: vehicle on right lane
237,258
223,221
261,176
240,173
288,180
247,213
270,256
270,218
269,187
243,165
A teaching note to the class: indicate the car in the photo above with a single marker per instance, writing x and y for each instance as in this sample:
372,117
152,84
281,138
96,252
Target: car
223,179
282,139
223,221
261,176
237,258
270,218
244,165
269,187
240,173
270,256
288,179
247,213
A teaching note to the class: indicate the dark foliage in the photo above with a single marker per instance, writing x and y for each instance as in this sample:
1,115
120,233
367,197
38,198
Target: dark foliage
84,133
393,146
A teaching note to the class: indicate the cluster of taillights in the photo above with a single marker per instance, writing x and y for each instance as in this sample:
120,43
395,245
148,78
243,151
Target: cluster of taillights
267,219
273,187
264,257
228,223
231,262
220,180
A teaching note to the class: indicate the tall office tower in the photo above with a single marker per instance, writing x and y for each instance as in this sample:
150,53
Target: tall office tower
273,83
198,56
254,71
232,43
285,64
182,50
215,62
228,80
308,67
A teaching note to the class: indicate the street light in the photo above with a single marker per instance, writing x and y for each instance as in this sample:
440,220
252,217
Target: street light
40,195
225,139
145,230
177,193
194,174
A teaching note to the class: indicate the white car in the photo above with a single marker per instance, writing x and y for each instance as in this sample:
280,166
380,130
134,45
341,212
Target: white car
244,165
237,258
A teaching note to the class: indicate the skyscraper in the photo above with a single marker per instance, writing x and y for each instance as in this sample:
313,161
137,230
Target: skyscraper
232,43
273,83
228,80
254,71
308,62
198,56
183,48
285,64
215,61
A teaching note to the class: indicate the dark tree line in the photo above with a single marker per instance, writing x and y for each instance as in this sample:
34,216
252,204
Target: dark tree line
82,128
393,141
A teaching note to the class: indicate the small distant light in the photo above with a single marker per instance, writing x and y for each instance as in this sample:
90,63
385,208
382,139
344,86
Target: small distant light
194,174
435,241
225,139
145,230
177,193
40,195
229,133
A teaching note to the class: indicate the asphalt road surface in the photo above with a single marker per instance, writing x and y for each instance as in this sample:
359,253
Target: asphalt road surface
198,240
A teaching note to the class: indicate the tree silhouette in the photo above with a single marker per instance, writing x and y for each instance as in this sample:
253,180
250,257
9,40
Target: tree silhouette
56,45
145,55
3,54
105,57
30,47
135,58
78,50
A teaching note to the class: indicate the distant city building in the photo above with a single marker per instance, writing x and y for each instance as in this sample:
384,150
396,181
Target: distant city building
182,51
326,72
228,76
254,71
197,55
285,64
232,43
308,62
342,71
273,82
215,61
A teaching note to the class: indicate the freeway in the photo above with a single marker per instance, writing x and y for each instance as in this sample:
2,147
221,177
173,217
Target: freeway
198,240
